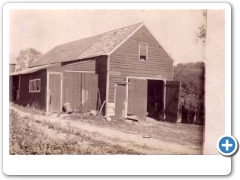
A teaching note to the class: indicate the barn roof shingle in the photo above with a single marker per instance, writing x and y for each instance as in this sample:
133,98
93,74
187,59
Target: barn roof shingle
103,44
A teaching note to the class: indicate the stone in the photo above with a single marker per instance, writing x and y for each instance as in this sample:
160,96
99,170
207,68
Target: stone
93,112
108,118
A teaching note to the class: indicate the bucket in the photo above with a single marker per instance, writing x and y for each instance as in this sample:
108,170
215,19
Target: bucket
68,108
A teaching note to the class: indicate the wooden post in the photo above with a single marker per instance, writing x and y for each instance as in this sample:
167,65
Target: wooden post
47,104
61,104
126,101
164,98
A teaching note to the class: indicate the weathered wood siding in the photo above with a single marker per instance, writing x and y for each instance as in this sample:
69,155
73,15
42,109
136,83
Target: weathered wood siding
76,66
97,65
137,98
36,99
125,60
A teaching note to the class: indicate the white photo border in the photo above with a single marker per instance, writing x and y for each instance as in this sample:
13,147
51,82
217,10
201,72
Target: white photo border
115,164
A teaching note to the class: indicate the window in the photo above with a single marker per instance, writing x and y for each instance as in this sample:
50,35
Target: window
35,85
143,51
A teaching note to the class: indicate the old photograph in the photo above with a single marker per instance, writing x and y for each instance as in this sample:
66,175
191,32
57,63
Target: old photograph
98,82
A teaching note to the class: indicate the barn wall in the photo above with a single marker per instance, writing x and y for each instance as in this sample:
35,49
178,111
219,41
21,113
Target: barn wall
125,60
76,66
37,99
98,65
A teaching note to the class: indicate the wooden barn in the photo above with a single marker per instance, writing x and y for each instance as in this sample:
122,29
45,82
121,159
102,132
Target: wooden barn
125,70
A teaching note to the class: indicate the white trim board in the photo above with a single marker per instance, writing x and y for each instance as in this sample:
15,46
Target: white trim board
61,92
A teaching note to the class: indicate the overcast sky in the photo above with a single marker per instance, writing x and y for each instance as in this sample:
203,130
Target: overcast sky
175,30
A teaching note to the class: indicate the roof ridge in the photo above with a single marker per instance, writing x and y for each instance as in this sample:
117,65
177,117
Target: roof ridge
124,27
99,34
83,54
79,39
97,45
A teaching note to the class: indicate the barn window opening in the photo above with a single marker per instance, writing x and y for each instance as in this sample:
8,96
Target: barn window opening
35,85
143,51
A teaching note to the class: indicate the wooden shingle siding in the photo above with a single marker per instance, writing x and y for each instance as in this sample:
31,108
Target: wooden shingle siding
38,99
125,60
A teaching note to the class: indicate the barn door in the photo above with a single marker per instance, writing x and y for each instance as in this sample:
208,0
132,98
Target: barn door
80,90
89,92
137,98
54,92
171,101
120,100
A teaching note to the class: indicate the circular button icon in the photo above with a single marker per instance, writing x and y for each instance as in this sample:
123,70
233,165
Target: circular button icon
227,145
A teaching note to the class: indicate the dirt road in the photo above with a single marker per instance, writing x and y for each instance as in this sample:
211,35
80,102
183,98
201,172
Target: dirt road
143,138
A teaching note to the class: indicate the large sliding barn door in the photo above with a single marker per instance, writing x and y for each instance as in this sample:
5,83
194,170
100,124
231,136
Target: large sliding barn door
80,90
120,100
171,101
54,92
137,98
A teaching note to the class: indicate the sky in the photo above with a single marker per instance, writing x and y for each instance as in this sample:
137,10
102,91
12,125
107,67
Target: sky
175,30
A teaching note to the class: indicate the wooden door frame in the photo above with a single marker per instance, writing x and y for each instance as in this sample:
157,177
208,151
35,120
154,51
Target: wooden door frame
143,78
47,101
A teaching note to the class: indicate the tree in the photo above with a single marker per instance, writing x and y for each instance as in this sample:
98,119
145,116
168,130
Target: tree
27,57
192,90
202,32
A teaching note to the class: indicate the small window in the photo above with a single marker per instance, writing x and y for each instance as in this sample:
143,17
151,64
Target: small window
143,51
35,85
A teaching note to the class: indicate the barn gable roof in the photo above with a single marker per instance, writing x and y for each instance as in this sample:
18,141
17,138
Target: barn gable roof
103,44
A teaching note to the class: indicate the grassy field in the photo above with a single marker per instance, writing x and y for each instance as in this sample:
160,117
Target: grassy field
30,136
34,132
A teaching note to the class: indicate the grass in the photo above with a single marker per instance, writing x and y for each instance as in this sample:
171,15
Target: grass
183,134
28,136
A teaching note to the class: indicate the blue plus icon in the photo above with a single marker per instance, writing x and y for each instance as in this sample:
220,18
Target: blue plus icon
227,145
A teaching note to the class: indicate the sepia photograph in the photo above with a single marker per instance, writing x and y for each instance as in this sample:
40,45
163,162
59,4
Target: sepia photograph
107,82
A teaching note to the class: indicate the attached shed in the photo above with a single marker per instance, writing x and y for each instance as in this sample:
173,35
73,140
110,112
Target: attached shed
126,70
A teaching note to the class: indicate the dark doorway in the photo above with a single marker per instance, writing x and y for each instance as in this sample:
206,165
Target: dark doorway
155,99
13,88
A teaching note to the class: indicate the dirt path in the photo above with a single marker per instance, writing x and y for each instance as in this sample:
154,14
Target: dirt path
125,139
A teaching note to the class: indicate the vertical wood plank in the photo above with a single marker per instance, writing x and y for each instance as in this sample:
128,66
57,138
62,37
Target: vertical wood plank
83,92
75,97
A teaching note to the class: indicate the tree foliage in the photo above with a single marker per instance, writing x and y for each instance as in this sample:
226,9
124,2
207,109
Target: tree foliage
202,33
27,57
192,80
202,30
